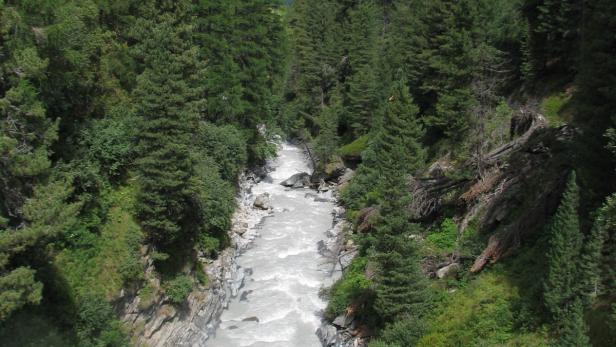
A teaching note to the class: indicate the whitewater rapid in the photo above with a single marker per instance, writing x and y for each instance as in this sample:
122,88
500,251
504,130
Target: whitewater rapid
279,303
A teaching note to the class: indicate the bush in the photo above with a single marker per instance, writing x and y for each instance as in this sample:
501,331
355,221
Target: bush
97,324
179,288
444,239
209,245
350,287
227,146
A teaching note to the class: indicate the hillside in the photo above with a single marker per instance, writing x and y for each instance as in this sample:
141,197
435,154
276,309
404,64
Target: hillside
470,145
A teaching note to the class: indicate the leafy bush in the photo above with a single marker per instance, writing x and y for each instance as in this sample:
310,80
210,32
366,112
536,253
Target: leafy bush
445,237
209,245
179,288
351,286
97,324
405,332
226,145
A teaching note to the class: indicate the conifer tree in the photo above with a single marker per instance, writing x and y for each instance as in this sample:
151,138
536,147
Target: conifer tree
399,131
168,107
590,259
561,283
573,330
361,98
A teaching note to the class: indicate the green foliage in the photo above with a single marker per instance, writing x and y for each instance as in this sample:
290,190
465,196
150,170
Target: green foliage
17,289
351,288
209,245
178,289
97,324
112,260
444,239
573,329
227,146
480,315
565,245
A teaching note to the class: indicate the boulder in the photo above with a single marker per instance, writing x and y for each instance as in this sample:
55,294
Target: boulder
263,202
328,334
448,271
298,180
334,169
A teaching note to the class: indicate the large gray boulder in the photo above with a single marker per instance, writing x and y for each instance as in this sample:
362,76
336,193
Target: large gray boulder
263,202
298,180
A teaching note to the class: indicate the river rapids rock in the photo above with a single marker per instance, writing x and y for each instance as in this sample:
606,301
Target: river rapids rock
298,180
263,202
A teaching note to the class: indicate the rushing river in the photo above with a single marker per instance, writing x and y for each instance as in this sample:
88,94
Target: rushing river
278,305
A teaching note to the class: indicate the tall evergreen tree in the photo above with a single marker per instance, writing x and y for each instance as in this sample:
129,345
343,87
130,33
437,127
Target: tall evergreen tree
561,283
573,330
168,105
400,131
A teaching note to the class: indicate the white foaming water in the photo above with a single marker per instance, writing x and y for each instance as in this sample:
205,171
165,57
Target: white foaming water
279,305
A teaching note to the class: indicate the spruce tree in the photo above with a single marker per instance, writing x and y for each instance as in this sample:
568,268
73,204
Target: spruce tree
565,243
399,131
573,330
168,105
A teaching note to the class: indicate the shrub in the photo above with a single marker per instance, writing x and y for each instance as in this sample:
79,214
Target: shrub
445,237
209,245
351,286
179,288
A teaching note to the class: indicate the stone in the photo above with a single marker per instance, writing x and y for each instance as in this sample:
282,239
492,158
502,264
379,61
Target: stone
263,202
298,180
328,334
448,271
334,169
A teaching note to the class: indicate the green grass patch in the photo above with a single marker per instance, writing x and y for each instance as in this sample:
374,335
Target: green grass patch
355,148
553,108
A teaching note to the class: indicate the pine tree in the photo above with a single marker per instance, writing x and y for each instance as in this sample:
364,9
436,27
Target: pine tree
399,131
326,142
361,97
168,105
573,330
215,34
561,283
590,260
402,290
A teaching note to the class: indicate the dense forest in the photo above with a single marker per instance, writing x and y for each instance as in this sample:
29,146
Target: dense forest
124,125
437,92
481,133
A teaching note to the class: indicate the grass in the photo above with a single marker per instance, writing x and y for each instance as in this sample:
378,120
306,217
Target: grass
554,107
355,148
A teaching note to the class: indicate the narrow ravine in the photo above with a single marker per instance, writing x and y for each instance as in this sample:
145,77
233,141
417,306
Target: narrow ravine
279,304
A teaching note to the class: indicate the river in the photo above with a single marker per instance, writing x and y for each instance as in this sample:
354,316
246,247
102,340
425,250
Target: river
279,304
